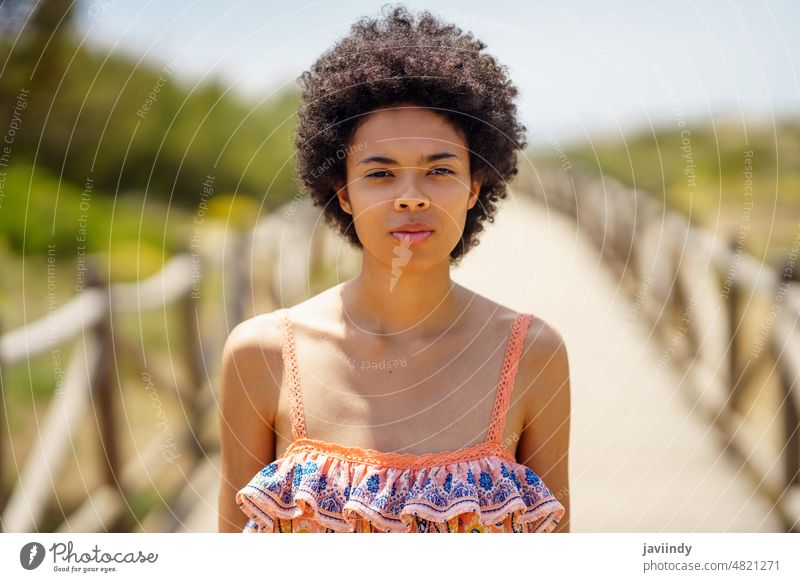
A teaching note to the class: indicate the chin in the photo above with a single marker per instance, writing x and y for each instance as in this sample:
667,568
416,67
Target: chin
411,258
417,260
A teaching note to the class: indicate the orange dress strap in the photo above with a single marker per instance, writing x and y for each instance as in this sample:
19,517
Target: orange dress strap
507,374
289,351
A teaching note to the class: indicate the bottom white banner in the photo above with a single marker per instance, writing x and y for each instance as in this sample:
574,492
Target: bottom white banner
629,556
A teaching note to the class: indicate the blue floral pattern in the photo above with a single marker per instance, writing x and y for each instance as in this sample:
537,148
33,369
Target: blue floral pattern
337,494
269,470
372,483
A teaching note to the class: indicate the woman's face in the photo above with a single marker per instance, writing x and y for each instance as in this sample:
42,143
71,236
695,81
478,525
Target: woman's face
407,164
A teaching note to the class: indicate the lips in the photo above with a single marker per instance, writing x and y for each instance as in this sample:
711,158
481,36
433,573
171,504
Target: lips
412,232
412,237
412,227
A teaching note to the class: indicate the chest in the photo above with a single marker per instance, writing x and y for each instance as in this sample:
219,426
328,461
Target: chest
408,399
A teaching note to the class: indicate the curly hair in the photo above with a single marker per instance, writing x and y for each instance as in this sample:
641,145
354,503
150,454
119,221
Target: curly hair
394,60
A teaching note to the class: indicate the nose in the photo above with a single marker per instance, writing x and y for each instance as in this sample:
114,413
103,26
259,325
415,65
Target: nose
411,201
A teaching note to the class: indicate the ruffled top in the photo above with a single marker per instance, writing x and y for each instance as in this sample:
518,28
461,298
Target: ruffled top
317,486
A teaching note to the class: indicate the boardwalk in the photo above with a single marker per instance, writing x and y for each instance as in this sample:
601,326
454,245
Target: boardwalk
640,460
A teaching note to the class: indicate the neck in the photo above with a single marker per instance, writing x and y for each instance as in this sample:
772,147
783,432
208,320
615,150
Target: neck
390,301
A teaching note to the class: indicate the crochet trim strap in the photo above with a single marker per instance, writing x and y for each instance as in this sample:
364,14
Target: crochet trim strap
289,352
494,433
507,375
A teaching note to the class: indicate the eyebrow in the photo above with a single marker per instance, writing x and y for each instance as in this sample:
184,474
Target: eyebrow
423,159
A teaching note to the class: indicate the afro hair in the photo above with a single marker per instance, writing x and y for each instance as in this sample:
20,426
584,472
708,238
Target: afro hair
400,59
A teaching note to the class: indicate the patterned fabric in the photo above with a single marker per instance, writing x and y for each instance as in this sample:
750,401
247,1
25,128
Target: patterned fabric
317,486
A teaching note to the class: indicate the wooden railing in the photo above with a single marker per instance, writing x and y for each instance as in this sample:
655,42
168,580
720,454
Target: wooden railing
724,318
90,379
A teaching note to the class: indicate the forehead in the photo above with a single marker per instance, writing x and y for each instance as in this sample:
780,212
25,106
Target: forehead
407,127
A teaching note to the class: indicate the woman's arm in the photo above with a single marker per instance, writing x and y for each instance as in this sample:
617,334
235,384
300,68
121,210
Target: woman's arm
543,378
250,380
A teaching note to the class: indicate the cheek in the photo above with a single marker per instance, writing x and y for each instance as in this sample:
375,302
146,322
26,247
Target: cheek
452,209
369,215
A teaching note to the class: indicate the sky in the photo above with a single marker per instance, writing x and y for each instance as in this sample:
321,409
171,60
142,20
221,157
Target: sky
584,69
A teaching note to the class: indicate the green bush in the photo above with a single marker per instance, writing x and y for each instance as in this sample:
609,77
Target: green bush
39,210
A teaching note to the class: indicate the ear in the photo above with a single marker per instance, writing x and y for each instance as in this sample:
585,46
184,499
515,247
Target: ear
474,190
344,198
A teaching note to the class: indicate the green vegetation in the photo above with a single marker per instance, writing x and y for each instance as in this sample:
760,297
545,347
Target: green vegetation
724,176
105,154
130,127
114,159
706,165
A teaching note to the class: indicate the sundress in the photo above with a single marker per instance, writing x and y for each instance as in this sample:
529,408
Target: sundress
318,486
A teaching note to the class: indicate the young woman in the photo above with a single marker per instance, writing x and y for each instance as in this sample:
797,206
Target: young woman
399,401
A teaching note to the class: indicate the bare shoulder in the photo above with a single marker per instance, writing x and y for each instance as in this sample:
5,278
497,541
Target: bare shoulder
250,379
543,365
259,332
543,339
256,339
544,444
485,308
318,314
252,360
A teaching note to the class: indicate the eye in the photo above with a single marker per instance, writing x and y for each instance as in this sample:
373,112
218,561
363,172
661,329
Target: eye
445,170
376,174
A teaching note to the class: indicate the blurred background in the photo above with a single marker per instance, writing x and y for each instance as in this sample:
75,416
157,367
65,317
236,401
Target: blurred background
147,205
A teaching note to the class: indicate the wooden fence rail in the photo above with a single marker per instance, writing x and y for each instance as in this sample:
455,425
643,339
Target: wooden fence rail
85,320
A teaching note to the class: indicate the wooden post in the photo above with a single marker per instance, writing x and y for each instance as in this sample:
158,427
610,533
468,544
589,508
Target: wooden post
190,314
3,432
674,301
236,270
102,386
790,388
733,344
791,426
